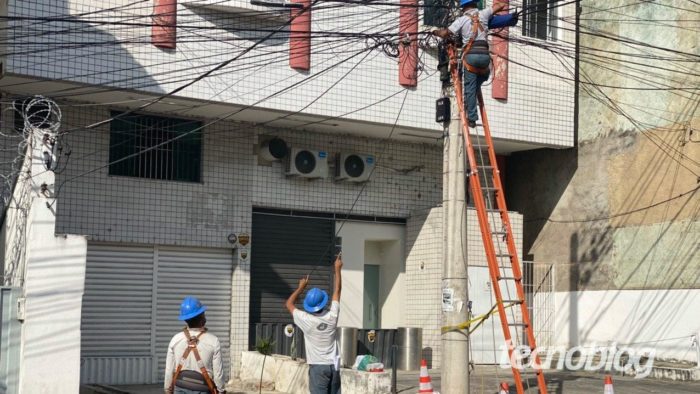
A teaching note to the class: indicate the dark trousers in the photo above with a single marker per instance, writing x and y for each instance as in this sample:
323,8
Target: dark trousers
324,379
472,82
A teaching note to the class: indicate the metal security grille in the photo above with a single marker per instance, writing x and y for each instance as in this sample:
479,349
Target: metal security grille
540,21
285,249
154,147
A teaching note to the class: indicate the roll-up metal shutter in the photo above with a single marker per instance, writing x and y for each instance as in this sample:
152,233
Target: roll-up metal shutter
284,249
117,315
131,305
203,273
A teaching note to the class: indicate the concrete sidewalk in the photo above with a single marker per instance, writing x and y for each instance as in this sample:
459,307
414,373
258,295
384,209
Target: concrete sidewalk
486,380
145,389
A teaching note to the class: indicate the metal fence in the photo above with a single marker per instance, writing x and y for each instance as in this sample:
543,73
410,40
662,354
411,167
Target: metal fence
539,290
379,347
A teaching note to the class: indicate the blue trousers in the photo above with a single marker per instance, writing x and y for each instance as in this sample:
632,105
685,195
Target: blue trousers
324,379
472,82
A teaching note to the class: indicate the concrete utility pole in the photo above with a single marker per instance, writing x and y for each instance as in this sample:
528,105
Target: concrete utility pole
455,344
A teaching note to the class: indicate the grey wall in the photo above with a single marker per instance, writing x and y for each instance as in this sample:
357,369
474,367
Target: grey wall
621,210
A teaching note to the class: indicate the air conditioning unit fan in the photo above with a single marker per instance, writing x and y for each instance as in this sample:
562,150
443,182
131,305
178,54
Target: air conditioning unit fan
353,167
307,163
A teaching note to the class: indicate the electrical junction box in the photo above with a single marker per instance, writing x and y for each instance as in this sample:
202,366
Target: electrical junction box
442,110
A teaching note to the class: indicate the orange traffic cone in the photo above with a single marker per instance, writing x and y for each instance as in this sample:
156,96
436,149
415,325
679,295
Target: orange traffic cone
426,384
504,389
608,387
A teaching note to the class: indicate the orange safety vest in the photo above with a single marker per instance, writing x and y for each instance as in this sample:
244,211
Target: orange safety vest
476,27
192,348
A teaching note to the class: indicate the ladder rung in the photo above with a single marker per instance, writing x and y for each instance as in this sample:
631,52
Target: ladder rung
531,372
479,146
503,255
493,210
489,188
517,324
509,278
512,302
499,232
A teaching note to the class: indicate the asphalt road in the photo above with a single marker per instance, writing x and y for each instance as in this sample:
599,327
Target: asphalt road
485,380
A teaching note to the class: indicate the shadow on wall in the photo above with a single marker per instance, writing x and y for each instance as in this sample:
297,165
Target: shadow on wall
102,55
535,184
98,58
618,213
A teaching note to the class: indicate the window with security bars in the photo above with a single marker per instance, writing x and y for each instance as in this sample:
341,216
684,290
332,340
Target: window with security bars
540,19
155,147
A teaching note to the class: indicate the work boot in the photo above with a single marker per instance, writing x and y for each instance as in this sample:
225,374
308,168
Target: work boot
471,123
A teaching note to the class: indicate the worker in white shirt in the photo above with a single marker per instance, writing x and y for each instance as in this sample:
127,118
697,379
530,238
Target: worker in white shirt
319,326
193,364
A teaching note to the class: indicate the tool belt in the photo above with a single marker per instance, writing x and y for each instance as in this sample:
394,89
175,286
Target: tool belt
191,380
480,47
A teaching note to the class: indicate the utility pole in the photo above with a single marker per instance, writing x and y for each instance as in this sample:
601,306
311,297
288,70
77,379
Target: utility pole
455,343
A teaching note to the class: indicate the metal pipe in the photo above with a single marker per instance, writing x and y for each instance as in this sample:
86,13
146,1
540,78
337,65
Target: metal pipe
393,369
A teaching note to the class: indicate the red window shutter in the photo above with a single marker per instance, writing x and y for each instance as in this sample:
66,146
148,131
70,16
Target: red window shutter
300,36
164,30
499,89
408,44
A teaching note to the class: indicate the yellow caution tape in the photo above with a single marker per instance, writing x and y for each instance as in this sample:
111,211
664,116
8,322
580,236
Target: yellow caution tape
479,319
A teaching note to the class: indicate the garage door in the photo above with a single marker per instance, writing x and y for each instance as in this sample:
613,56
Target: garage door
131,303
284,249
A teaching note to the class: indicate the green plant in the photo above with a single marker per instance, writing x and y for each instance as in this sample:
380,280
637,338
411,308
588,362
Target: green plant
264,346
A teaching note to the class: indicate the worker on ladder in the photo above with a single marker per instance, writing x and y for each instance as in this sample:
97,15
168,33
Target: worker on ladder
471,29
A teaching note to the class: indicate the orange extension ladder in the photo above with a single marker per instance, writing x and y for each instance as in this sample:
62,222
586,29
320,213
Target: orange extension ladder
500,262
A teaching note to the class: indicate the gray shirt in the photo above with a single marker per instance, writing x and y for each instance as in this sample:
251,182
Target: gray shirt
462,26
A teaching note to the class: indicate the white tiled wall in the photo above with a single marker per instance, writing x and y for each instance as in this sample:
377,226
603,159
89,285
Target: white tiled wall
424,246
124,209
342,79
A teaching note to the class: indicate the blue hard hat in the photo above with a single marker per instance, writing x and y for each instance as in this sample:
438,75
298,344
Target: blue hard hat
315,300
191,307
462,3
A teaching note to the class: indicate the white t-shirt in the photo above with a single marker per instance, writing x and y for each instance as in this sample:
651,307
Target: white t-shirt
319,335
462,26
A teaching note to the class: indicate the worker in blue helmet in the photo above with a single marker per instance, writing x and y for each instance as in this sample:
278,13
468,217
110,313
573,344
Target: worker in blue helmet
318,323
471,29
193,364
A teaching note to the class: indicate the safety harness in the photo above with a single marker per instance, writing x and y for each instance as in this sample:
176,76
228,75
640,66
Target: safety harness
192,342
476,28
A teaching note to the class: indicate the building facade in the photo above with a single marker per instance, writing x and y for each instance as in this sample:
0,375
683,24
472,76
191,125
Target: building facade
169,171
618,216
